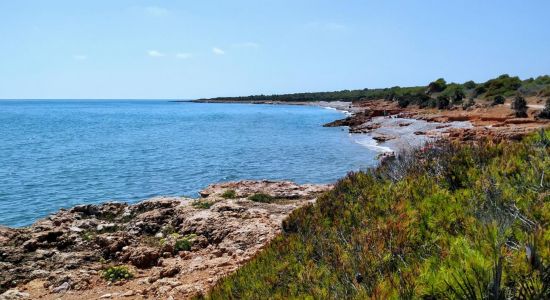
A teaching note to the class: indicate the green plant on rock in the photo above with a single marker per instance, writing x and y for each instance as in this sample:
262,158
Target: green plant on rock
182,244
88,235
261,197
202,204
116,273
229,194
179,243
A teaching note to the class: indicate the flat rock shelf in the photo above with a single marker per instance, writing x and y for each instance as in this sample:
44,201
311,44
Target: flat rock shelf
169,246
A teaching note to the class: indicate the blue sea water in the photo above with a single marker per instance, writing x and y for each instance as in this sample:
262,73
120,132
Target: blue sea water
57,154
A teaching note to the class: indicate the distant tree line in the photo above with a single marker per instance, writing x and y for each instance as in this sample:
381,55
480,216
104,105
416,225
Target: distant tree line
437,94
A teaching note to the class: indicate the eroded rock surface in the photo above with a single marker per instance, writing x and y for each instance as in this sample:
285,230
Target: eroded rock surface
174,247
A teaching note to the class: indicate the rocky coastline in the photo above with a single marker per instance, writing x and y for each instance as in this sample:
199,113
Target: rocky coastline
171,248
177,248
386,123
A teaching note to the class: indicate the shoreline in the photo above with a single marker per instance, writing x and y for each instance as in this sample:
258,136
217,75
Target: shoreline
482,120
65,254
173,246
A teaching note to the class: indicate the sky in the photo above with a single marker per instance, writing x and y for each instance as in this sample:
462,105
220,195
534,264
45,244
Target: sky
121,49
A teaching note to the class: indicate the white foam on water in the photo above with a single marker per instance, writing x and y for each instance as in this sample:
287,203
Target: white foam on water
369,142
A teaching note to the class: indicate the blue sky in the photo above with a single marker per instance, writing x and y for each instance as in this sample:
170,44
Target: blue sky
190,49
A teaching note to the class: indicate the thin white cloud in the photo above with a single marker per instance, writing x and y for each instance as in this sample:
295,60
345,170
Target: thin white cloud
218,51
80,57
183,55
246,45
155,53
156,11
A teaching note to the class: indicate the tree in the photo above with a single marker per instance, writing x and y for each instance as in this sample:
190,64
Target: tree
437,86
498,100
442,102
470,85
403,101
519,105
545,113
458,95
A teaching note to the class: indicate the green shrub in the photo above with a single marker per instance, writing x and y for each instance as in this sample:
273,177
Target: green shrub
545,113
437,86
470,85
419,99
88,235
182,244
422,225
503,85
261,197
202,204
498,100
229,194
116,273
443,102
519,105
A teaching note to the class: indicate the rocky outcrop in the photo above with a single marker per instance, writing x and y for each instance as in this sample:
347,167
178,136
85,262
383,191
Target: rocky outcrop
175,247
488,122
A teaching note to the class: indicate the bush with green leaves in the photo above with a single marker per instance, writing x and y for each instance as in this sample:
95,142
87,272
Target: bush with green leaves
443,102
116,273
447,221
178,242
504,85
545,113
519,105
229,194
182,244
202,204
469,85
498,100
261,197
437,86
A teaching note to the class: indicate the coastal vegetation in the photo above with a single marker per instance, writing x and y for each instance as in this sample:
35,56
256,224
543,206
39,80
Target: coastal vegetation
261,197
202,204
116,273
519,105
229,194
433,95
545,113
449,220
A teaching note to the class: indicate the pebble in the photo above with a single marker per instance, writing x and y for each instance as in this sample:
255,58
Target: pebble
62,288
128,293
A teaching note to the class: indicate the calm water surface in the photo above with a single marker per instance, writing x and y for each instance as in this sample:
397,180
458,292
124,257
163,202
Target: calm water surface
56,154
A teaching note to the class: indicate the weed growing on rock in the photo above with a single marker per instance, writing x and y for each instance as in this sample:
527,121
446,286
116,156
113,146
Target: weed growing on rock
261,197
202,204
229,194
116,273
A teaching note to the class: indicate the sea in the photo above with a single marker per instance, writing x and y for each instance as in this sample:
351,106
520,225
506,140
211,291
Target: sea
60,153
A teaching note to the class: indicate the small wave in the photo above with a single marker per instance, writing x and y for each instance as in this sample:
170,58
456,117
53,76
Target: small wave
370,143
